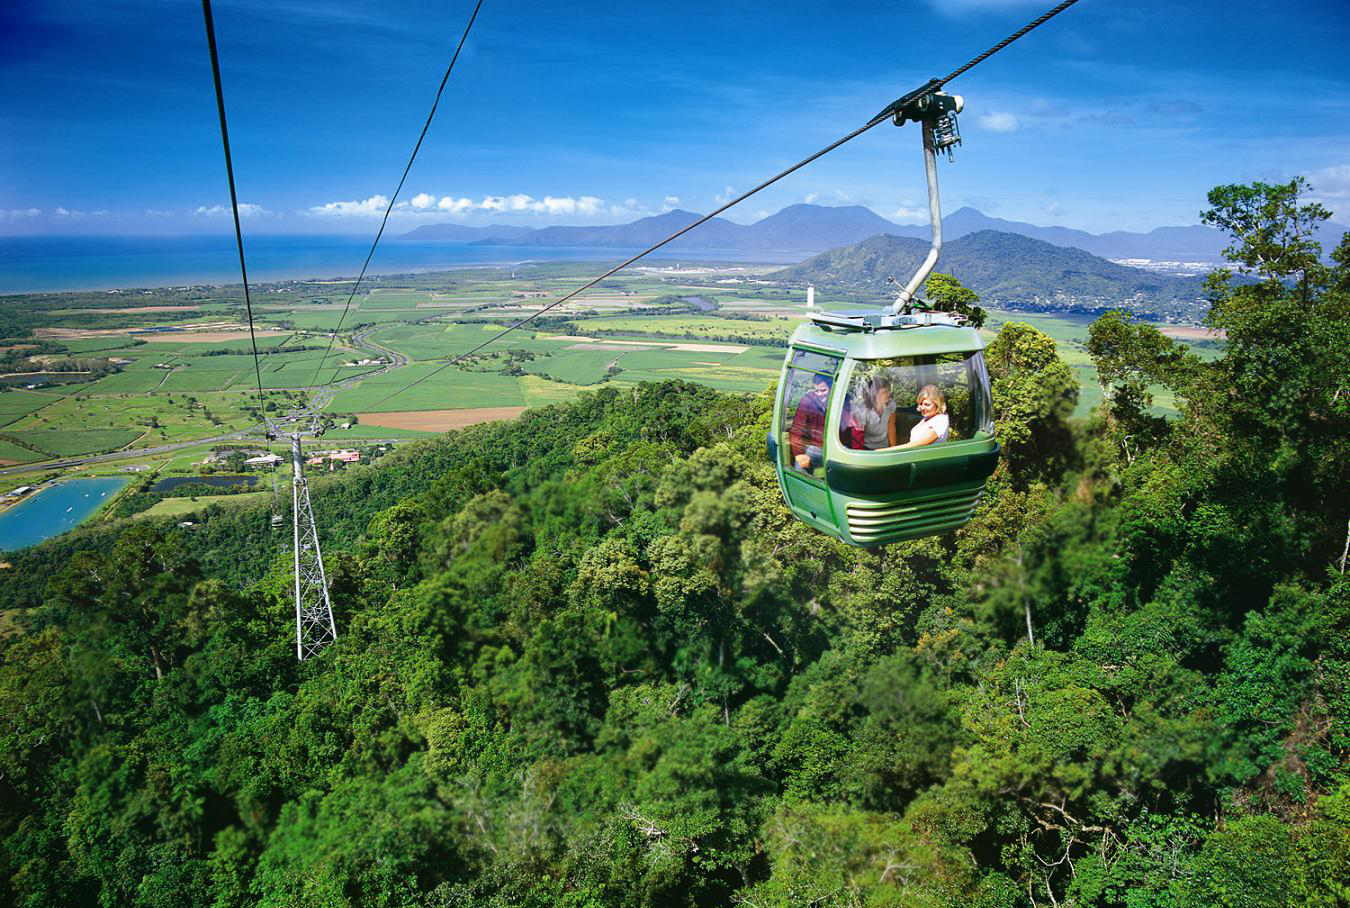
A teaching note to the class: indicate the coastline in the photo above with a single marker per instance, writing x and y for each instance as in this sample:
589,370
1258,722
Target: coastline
36,265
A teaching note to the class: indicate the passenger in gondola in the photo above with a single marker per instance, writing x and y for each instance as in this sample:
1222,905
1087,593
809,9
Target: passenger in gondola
934,425
807,434
874,414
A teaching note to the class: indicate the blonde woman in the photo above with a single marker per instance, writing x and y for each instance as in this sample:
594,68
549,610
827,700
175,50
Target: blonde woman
934,424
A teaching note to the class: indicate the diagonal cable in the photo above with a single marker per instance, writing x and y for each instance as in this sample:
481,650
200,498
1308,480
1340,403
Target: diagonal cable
234,198
885,114
393,198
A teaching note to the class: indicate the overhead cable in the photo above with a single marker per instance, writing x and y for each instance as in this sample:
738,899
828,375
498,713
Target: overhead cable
883,116
234,198
393,198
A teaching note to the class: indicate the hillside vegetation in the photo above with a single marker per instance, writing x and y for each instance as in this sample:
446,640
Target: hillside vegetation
1011,271
587,659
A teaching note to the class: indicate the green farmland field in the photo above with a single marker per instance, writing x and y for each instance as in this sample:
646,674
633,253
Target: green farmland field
181,507
448,389
16,404
73,442
695,327
9,451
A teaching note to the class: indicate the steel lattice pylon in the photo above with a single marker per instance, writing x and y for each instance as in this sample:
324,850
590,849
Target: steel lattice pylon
314,627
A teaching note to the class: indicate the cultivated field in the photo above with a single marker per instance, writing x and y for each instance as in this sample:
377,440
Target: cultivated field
440,420
179,366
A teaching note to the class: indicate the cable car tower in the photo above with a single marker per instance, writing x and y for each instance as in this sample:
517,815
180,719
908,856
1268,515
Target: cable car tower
314,625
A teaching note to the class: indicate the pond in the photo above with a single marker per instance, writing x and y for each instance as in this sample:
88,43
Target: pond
220,482
53,511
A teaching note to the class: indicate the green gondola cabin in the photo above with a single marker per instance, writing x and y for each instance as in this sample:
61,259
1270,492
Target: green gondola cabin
835,474
883,426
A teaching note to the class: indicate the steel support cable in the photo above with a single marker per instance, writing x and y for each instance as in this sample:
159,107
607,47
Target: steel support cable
1034,23
881,117
403,179
234,198
622,265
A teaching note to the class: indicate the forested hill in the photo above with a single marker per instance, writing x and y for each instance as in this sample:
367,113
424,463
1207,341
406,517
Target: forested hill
587,659
1012,272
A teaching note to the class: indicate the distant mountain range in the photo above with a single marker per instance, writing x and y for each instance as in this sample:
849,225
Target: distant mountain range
810,229
1009,271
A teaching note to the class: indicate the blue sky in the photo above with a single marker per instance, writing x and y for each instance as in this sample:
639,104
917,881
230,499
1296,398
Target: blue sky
1112,116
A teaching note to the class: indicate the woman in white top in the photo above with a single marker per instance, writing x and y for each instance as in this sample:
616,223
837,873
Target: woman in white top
934,424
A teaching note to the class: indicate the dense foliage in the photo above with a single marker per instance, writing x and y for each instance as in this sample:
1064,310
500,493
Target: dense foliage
1012,272
587,659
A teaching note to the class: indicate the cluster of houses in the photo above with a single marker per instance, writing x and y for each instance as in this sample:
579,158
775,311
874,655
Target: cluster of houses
259,458
316,459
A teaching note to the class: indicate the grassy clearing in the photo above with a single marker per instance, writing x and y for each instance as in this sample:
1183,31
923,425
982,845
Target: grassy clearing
168,417
181,507
12,452
694,326
752,380
107,346
17,404
395,298
434,341
540,392
238,345
73,442
327,319
448,389
363,432
575,367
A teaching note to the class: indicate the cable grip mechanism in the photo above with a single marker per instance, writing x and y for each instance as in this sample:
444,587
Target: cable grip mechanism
936,111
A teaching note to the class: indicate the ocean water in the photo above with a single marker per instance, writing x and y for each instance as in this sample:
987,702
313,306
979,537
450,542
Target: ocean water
49,264
53,511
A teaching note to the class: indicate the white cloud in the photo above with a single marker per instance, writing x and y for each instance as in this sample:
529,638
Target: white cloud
586,205
724,196
520,202
455,206
631,207
999,122
1330,182
669,203
159,213
1331,187
811,198
907,214
375,205
427,205
246,210
19,213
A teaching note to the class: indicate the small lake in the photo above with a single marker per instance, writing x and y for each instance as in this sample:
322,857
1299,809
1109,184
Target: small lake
53,511
220,482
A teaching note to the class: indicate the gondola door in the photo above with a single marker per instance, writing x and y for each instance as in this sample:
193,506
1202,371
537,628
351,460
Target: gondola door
808,405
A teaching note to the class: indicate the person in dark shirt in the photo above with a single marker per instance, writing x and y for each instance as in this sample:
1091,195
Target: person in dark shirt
807,434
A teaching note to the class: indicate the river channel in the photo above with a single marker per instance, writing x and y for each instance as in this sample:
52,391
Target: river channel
53,511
